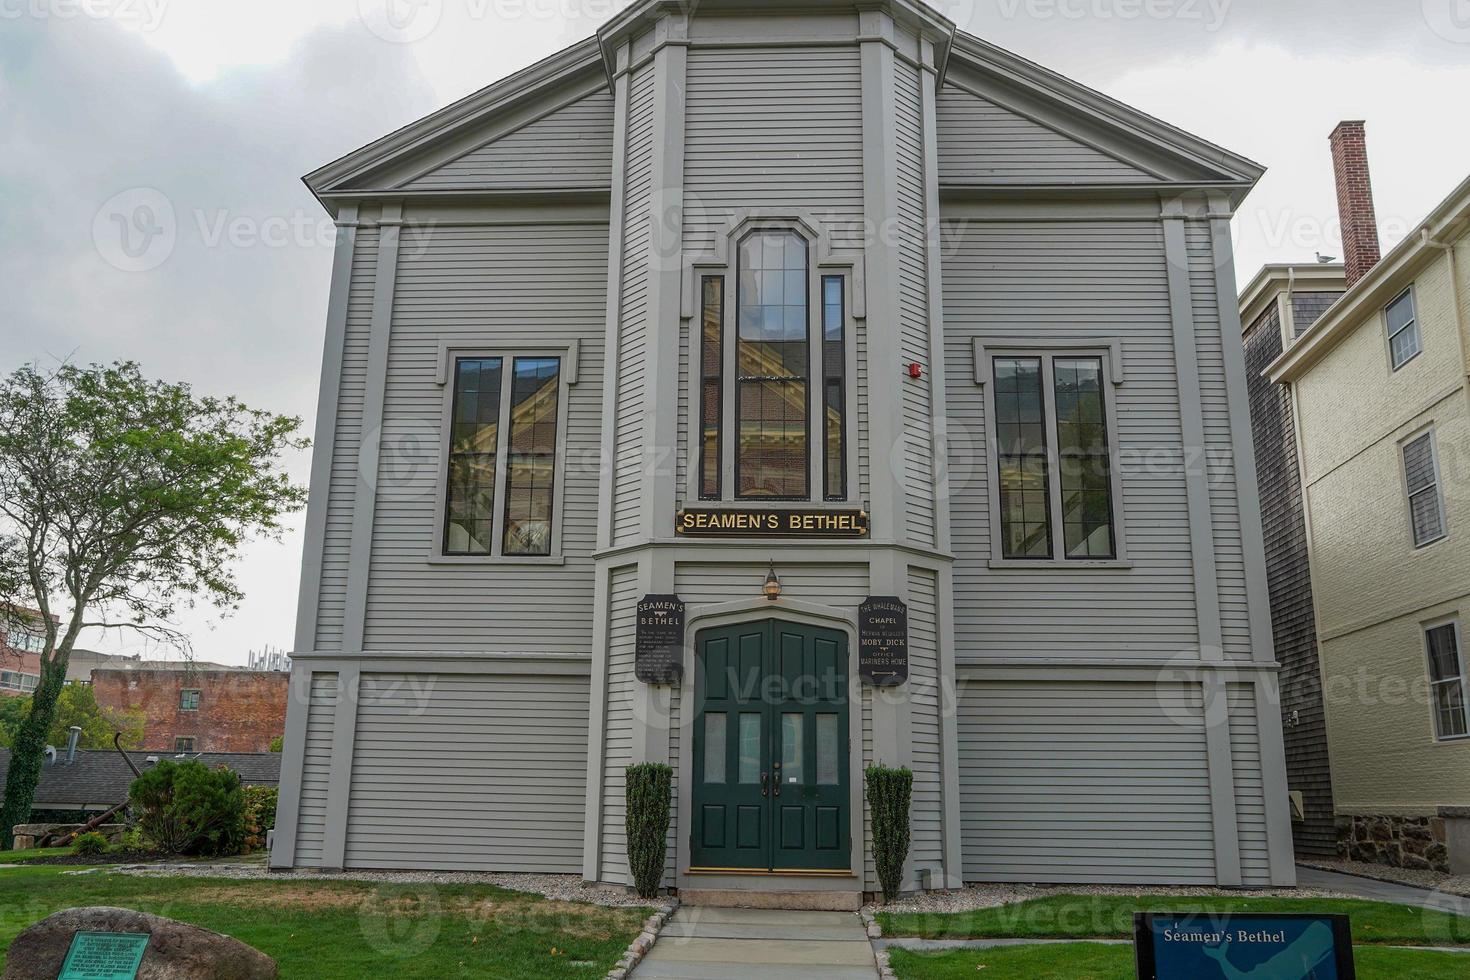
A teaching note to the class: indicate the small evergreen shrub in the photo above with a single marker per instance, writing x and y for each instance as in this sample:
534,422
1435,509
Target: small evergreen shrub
188,808
889,794
648,801
90,844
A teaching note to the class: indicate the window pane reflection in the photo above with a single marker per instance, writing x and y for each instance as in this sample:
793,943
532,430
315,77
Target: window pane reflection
474,433
532,457
750,747
714,747
772,364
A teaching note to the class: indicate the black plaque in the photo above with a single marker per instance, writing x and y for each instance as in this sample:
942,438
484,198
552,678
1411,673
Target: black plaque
883,640
751,522
658,649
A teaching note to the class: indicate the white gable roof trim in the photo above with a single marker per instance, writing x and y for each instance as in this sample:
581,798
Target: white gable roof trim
1163,152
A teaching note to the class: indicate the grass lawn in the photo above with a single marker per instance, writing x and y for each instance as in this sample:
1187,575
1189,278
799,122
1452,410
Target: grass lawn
1083,961
15,857
322,930
1111,917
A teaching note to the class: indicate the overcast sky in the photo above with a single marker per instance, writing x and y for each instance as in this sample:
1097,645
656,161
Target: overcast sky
208,112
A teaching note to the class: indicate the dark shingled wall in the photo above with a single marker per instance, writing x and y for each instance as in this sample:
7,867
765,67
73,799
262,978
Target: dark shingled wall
1279,484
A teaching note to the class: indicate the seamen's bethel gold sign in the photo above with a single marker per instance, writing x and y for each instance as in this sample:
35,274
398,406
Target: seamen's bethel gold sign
702,522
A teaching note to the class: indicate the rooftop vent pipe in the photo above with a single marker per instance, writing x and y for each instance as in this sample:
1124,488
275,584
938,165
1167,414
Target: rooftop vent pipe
71,743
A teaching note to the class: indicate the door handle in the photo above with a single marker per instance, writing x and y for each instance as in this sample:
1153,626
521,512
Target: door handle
765,789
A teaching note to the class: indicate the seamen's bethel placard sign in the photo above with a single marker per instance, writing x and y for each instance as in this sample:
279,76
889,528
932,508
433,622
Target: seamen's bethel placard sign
710,522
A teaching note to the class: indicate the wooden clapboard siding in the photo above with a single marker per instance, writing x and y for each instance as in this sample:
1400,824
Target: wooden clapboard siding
1250,796
1219,446
617,746
913,304
486,286
1060,279
316,767
926,696
347,438
633,326
772,128
981,142
469,771
1084,782
569,147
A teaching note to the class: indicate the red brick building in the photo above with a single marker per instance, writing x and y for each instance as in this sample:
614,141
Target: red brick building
199,710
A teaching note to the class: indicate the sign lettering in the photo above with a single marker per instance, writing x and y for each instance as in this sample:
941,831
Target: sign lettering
658,646
883,640
104,956
1202,946
709,522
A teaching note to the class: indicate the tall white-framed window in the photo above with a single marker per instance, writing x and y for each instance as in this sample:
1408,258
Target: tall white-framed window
1402,323
772,366
1421,484
502,454
1056,490
1443,642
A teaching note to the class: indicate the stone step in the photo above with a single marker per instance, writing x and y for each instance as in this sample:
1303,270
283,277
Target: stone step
734,898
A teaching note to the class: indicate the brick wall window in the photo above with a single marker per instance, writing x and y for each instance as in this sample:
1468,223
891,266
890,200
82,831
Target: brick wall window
184,743
1403,329
1447,680
188,700
1421,480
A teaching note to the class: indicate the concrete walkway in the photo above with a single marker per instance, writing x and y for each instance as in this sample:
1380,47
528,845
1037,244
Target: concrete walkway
702,943
1381,891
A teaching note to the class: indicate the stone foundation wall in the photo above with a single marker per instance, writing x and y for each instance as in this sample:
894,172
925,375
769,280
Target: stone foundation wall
1399,842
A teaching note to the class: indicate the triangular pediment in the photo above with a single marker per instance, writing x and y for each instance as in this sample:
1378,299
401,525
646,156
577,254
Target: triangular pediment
568,147
982,142
1005,120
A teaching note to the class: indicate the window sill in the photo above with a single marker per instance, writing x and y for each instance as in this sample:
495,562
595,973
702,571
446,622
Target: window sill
496,560
1054,565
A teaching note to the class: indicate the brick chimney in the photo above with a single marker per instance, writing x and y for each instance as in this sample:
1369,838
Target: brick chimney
1354,199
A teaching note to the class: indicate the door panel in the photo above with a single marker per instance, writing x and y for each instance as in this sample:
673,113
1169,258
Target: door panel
771,751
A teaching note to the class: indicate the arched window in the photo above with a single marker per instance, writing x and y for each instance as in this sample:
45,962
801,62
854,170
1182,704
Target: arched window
772,368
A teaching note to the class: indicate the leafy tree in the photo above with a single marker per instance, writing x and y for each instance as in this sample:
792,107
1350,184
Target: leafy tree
76,705
122,500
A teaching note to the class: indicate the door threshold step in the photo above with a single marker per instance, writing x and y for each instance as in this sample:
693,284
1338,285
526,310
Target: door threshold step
739,898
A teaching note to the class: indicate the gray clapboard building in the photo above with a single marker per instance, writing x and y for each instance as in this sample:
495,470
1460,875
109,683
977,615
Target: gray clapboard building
767,311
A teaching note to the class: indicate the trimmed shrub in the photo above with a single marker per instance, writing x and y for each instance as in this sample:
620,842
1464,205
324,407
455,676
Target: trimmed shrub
648,799
889,794
90,844
188,808
260,814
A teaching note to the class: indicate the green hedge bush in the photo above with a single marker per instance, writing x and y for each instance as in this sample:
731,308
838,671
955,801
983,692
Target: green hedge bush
648,798
889,794
188,808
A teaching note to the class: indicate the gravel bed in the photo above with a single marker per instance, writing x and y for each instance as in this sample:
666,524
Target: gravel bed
560,887
1432,880
991,896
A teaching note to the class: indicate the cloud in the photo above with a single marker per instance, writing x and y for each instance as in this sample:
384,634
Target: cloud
230,292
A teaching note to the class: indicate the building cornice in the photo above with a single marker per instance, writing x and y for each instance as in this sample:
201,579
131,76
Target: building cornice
1276,278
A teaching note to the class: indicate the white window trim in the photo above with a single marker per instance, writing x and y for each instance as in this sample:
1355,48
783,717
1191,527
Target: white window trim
1413,325
1438,489
507,348
1110,350
822,261
198,698
1452,620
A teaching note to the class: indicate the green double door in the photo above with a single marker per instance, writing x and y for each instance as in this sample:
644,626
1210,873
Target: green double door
771,754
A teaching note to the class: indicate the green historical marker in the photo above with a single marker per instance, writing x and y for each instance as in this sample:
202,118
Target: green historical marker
104,956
